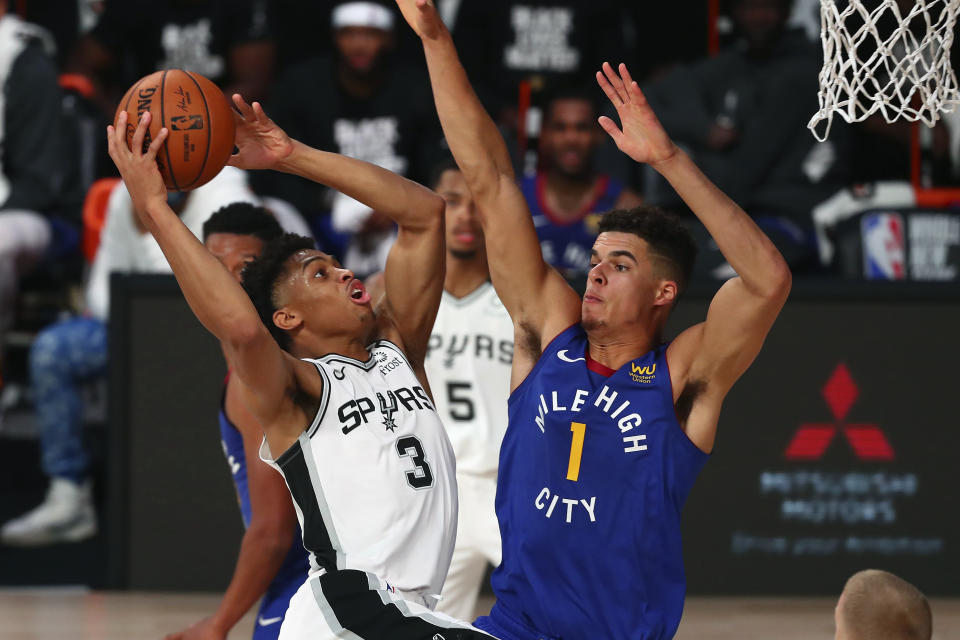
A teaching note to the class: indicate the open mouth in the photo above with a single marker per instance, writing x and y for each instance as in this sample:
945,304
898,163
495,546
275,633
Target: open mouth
358,293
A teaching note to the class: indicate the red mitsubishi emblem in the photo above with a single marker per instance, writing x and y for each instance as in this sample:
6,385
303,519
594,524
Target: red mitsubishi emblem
812,439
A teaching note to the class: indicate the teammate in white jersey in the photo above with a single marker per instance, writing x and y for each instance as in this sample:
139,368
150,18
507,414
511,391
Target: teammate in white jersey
468,365
343,402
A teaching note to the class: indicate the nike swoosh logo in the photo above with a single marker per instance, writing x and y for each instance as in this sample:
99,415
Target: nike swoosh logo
338,374
266,622
562,354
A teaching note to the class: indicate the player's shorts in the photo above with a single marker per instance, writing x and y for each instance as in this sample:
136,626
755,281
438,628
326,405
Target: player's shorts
274,605
360,606
502,625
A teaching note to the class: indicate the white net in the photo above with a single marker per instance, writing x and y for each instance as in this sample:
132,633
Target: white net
886,56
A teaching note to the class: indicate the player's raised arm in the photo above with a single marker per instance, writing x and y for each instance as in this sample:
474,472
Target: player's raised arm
534,294
215,297
414,273
718,351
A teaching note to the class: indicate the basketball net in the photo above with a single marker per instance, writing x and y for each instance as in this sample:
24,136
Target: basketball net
887,56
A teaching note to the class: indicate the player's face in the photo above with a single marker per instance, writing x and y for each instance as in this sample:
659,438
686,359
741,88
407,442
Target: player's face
569,137
361,47
622,287
760,21
324,295
464,233
234,251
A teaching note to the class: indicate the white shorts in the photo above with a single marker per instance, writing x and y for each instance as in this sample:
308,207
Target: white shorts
356,605
478,544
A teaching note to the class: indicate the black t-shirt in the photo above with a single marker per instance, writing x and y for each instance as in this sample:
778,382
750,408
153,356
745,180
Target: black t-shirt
196,35
558,41
395,128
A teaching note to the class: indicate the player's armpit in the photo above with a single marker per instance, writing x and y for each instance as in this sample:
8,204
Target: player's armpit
714,354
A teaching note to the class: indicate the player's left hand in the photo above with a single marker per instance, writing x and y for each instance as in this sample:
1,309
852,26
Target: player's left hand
203,630
138,167
642,137
260,142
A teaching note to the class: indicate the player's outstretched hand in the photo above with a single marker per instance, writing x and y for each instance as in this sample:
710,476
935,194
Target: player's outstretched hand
203,630
138,167
642,137
260,142
422,16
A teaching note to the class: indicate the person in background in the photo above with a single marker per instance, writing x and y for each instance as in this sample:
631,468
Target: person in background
227,41
73,351
272,564
567,194
877,605
364,103
34,166
742,114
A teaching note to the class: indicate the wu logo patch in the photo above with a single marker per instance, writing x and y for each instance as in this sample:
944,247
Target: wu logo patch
388,407
644,374
186,123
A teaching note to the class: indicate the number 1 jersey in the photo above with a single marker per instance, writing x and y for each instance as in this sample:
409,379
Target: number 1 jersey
594,471
468,366
372,477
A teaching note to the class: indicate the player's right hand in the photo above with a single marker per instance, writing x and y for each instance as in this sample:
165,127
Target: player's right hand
422,16
138,168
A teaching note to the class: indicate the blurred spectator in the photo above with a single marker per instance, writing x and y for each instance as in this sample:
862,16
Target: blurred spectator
228,41
69,353
877,605
743,116
545,42
362,103
34,167
567,193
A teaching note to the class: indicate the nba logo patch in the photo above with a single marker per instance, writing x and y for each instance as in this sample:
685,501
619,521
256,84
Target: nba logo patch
884,249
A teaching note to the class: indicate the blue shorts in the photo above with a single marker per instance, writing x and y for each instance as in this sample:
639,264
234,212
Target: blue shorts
273,608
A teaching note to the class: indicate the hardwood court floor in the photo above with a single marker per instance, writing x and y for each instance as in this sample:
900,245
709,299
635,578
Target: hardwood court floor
58,614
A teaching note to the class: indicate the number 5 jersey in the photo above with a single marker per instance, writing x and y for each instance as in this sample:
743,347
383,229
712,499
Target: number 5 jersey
594,471
372,477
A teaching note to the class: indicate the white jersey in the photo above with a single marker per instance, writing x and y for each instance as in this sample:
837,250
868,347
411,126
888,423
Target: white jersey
468,366
373,477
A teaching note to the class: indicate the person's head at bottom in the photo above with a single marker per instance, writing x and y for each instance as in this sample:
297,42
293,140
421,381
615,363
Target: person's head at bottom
877,605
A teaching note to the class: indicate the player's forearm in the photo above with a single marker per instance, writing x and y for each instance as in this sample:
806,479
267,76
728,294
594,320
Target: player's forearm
748,250
407,203
474,139
261,556
217,300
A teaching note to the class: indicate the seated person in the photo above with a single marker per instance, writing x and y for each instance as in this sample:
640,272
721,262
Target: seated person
567,193
71,352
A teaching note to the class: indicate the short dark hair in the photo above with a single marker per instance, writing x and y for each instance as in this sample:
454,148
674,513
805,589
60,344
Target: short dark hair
260,279
441,166
575,92
243,219
670,241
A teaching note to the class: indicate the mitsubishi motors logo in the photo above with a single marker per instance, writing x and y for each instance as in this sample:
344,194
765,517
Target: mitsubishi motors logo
811,440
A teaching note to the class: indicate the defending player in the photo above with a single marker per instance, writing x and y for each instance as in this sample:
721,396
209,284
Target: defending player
360,446
608,426
468,366
272,563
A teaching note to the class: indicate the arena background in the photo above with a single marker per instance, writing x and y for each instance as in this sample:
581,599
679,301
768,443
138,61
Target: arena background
836,452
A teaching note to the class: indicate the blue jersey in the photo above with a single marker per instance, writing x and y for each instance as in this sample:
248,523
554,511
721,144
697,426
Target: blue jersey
293,571
594,471
566,244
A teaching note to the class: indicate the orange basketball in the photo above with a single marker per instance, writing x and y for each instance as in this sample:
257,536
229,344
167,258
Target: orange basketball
199,119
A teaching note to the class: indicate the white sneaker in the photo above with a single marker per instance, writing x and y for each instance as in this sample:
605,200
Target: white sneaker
65,515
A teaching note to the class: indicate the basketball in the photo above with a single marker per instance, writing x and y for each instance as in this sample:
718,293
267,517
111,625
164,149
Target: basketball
199,119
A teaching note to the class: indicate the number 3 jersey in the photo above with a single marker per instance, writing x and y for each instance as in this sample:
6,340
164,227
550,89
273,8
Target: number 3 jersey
372,477
594,471
468,366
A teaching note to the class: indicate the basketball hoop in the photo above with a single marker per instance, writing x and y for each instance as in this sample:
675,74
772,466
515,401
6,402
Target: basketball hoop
887,56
